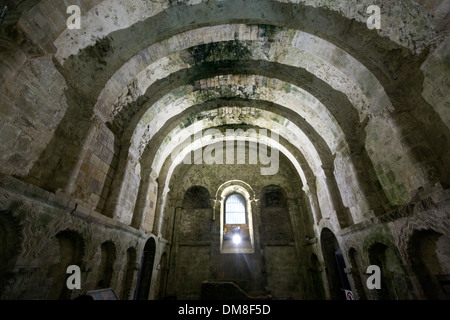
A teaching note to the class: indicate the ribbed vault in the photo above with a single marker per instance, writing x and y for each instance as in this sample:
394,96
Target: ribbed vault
312,72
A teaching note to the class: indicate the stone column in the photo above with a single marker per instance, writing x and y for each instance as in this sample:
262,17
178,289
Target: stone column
124,188
92,132
343,213
143,198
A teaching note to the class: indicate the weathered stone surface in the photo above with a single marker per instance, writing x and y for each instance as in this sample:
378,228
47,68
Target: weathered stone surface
95,125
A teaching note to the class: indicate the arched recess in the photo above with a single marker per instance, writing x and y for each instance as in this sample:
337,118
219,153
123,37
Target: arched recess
334,264
317,290
274,207
10,240
194,220
162,275
429,253
106,266
395,285
146,272
197,197
71,252
357,273
128,275
377,256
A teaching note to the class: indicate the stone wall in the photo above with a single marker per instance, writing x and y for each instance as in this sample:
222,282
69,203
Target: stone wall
389,241
32,106
49,233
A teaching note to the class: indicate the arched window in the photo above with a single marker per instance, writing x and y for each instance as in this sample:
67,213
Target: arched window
236,222
235,209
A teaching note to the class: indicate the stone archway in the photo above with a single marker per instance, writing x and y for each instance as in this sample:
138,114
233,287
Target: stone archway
71,252
128,275
146,273
105,270
356,273
318,289
334,264
429,253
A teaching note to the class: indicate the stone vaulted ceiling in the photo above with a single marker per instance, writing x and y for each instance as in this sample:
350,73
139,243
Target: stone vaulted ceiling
337,93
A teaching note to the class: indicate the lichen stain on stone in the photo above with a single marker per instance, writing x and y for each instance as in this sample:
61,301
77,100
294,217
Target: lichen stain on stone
268,31
219,51
277,118
98,52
